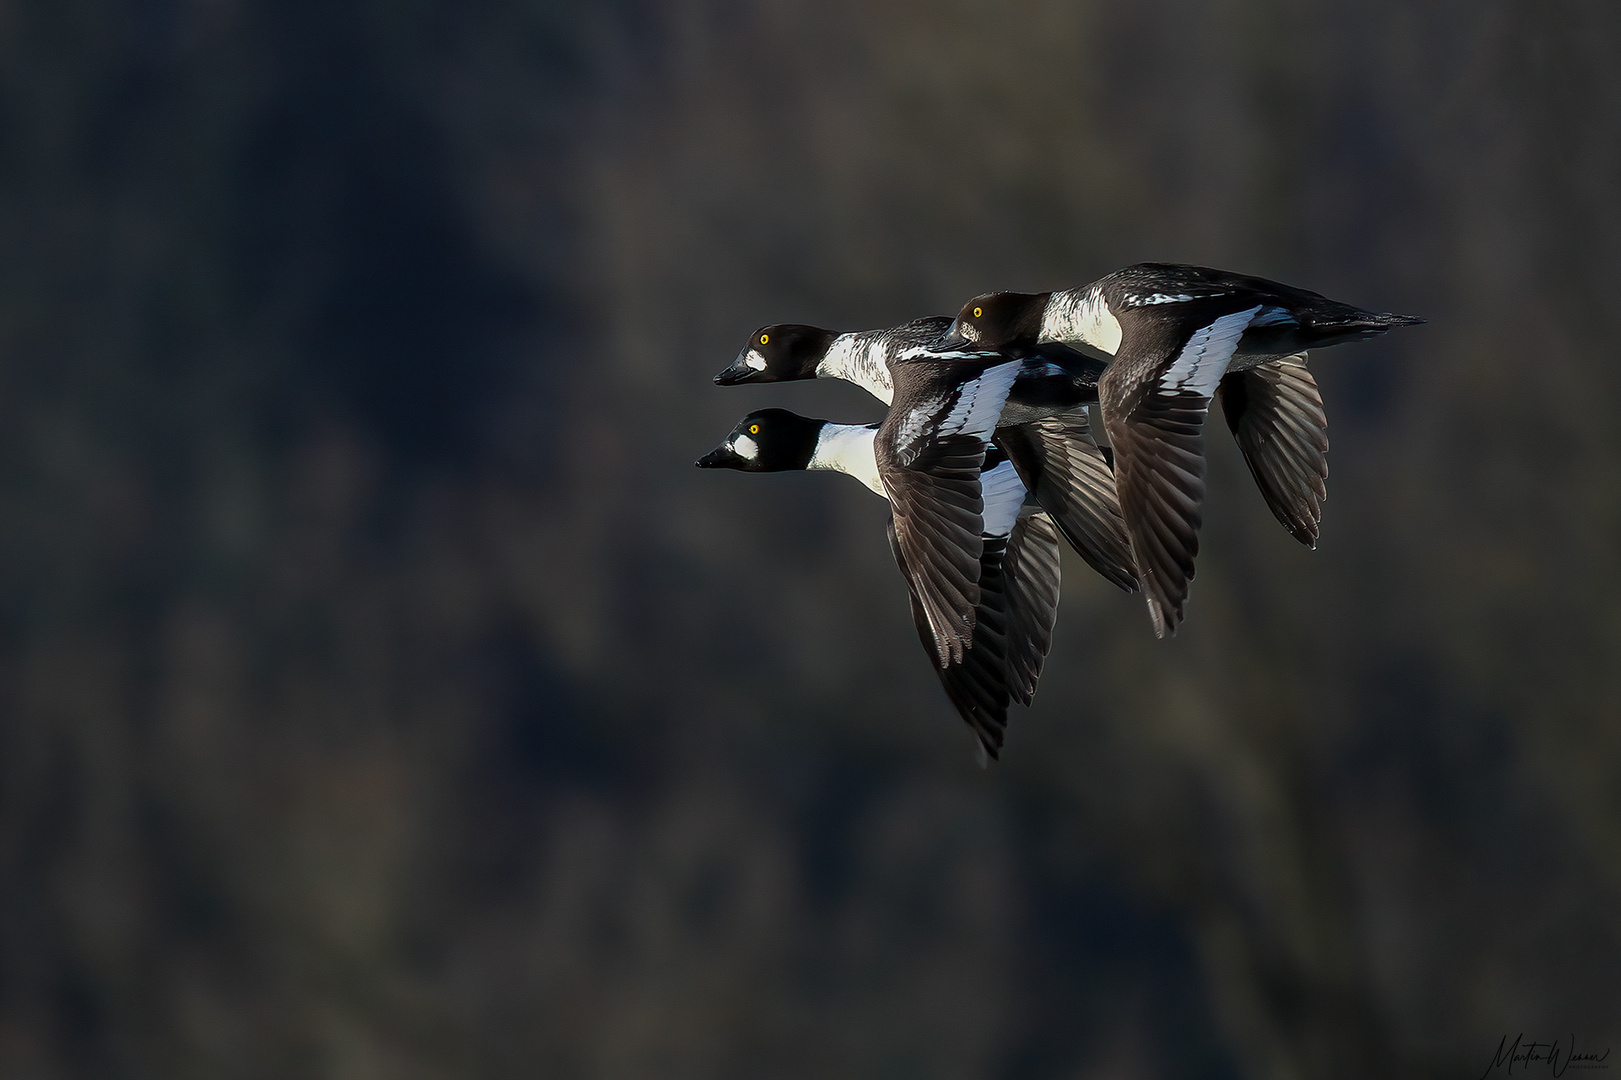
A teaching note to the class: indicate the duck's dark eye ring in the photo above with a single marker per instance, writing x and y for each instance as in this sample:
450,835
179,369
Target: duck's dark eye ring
978,312
765,339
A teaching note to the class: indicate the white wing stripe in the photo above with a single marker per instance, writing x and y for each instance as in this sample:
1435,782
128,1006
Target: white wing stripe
917,422
1003,493
929,352
1204,359
980,401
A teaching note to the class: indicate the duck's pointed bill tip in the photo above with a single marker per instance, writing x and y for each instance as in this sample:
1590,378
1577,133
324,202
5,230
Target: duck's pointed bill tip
714,459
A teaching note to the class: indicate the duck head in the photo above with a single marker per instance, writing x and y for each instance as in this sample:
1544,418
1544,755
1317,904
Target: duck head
998,320
783,352
771,440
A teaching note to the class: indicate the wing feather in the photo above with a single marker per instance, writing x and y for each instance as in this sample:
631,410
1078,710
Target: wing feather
931,474
1032,573
1154,399
1019,585
976,682
1072,480
1276,416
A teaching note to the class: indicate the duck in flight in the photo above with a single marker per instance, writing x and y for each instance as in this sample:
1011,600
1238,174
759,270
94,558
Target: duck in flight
1044,427
1017,578
1181,335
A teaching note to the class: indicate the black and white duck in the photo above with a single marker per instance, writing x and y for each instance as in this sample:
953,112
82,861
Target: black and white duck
979,558
1045,427
1179,336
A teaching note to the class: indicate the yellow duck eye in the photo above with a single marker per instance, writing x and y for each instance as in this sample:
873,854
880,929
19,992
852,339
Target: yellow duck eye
754,429
765,339
978,312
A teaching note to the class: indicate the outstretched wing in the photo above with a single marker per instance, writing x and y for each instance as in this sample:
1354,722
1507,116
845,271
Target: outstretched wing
1072,480
1030,571
1154,399
977,682
930,450
938,527
1019,580
1276,415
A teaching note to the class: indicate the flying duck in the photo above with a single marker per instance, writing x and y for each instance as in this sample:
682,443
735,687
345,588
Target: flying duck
1044,427
1181,335
1018,571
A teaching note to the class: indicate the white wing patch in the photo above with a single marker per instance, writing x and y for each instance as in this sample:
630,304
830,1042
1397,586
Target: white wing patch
1003,493
918,421
1204,359
979,402
1163,298
929,352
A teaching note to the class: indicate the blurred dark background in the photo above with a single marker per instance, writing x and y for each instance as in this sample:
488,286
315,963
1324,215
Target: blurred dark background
383,693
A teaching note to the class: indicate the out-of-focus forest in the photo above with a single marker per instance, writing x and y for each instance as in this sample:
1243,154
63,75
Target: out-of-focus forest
383,693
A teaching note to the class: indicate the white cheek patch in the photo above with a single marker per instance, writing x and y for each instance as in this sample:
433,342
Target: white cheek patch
755,360
745,447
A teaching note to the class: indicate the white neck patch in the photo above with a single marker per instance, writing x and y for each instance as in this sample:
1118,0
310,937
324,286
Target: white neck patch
858,358
1081,315
848,448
